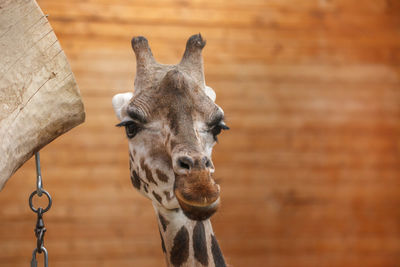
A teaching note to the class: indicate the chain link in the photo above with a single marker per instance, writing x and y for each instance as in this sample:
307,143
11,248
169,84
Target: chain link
40,230
46,257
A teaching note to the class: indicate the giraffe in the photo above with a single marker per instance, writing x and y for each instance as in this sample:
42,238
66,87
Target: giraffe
172,123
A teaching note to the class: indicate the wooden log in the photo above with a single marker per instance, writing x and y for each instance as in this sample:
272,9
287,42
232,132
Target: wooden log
39,97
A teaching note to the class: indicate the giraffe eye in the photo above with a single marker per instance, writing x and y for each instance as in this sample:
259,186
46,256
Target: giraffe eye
217,128
131,128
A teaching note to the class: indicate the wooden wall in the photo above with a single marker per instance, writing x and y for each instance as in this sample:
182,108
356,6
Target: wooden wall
310,171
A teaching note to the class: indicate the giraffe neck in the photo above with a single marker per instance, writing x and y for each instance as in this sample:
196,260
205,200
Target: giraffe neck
187,243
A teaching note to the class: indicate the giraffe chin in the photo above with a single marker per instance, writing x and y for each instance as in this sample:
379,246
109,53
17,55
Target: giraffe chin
196,211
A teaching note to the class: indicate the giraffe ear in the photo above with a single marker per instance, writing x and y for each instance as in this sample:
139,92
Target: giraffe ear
210,92
119,102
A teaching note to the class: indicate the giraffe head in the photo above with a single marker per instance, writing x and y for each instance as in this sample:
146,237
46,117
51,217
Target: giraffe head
172,124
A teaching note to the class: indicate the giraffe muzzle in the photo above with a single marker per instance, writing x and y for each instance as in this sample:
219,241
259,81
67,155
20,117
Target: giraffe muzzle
197,194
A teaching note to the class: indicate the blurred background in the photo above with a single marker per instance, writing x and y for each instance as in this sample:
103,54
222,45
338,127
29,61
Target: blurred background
310,170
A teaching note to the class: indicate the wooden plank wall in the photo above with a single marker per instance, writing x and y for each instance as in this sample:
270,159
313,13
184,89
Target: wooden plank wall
310,171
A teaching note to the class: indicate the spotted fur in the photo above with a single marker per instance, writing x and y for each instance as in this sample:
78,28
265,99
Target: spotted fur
162,243
149,175
161,176
157,196
216,252
135,180
164,222
199,243
180,249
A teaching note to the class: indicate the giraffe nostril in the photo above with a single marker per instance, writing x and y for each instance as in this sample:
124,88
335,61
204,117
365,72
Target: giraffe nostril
207,162
185,163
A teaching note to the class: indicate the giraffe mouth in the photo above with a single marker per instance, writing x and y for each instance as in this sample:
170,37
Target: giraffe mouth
197,194
198,210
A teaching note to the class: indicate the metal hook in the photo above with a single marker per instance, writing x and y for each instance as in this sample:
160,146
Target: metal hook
39,184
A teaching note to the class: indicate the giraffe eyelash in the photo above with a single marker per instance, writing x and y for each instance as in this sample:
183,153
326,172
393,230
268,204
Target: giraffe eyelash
217,128
131,128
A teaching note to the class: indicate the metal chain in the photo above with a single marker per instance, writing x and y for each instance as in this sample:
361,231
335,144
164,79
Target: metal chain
40,230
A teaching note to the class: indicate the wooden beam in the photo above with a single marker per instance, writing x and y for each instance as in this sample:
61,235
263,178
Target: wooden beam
39,97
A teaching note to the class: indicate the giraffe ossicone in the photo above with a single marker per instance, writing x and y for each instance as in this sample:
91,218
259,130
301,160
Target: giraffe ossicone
172,124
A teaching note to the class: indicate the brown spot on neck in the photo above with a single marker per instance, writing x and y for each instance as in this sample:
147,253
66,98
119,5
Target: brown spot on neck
162,176
149,175
180,249
164,222
157,197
